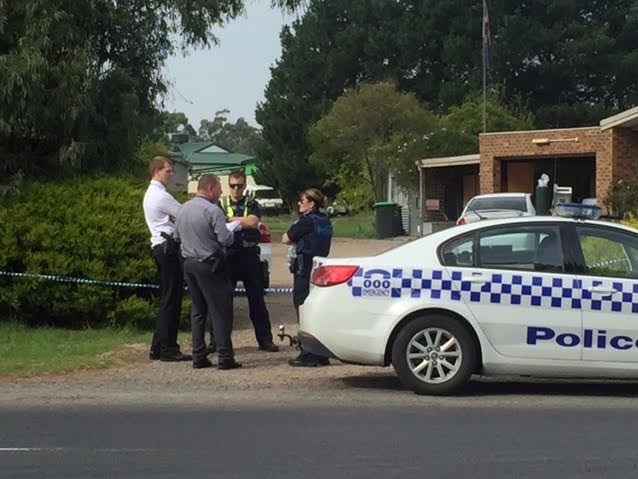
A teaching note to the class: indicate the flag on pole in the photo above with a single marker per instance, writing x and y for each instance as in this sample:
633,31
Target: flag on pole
487,42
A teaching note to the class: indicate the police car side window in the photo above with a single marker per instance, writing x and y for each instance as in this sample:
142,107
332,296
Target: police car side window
608,253
527,248
459,252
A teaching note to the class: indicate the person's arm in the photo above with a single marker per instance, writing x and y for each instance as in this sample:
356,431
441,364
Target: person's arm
298,230
251,221
169,206
218,221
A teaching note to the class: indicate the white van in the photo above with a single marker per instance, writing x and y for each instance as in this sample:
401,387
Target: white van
268,198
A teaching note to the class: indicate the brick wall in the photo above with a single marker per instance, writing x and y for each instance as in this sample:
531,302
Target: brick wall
625,153
496,147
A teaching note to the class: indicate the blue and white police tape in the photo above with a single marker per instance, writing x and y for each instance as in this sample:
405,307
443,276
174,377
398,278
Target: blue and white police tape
120,284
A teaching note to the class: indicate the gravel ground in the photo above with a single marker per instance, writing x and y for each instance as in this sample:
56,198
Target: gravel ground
264,378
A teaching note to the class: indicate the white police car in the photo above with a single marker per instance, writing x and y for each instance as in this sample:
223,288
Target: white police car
537,296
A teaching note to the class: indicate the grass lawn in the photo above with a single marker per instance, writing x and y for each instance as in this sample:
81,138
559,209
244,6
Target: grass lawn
34,351
360,225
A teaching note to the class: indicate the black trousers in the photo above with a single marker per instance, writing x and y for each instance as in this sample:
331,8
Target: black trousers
300,291
212,296
171,276
245,266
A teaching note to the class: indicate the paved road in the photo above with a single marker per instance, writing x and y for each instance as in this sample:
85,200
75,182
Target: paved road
389,442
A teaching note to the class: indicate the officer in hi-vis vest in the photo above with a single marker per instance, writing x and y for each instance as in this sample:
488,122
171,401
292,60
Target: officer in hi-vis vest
243,258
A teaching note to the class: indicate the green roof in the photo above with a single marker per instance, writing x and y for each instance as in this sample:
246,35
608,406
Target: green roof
216,159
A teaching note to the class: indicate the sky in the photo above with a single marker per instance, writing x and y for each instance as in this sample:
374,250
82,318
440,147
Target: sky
231,75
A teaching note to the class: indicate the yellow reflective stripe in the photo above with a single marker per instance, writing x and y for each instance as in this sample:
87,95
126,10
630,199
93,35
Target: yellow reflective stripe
226,204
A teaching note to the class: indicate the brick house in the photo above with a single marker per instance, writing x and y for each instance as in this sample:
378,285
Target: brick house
589,160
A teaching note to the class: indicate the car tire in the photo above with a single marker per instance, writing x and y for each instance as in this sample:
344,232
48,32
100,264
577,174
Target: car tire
426,370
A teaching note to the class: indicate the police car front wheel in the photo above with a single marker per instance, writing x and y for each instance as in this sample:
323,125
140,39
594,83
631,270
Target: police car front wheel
434,355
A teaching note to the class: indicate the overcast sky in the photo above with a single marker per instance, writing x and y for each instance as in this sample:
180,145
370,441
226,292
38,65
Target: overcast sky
231,75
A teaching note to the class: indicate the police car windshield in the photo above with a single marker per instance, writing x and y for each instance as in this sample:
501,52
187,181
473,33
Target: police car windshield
500,203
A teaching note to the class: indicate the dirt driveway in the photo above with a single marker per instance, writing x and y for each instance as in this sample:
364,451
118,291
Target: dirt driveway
265,377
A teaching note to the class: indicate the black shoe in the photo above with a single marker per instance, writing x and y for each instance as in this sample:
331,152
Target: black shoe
175,357
204,363
153,356
269,347
228,364
324,361
303,363
211,349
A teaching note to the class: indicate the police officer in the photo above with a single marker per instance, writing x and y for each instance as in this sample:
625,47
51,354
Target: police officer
204,235
243,258
160,210
311,236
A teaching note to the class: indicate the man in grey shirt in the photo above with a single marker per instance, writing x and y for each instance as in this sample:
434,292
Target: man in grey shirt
201,227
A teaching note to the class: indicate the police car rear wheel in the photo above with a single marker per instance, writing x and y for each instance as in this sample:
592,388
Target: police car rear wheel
434,355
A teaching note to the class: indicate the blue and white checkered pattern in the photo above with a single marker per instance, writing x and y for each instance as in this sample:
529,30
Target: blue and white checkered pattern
624,301
506,288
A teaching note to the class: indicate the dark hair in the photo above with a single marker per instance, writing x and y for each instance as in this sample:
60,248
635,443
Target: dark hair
316,196
157,163
206,181
237,174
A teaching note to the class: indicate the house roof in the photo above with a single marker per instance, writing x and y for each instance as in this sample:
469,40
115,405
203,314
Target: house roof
206,155
474,159
624,119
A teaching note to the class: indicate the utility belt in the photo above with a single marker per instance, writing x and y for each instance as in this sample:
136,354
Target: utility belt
170,246
249,249
298,266
217,262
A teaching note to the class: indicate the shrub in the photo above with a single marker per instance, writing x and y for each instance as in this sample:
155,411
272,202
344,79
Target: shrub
85,227
622,198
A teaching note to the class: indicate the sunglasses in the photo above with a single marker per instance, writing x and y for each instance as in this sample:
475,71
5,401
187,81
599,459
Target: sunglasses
237,186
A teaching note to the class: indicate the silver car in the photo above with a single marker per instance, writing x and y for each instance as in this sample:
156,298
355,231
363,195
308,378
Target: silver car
497,206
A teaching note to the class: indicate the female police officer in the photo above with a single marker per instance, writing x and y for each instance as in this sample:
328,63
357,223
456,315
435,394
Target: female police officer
311,235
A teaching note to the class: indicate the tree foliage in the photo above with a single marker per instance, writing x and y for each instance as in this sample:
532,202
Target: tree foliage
360,138
238,137
568,62
79,80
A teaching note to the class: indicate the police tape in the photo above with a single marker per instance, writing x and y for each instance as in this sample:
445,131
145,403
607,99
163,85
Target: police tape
120,284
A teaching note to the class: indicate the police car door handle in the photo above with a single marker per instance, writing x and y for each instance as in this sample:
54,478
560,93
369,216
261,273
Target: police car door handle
475,278
602,290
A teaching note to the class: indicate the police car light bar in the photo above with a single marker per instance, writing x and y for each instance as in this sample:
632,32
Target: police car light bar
578,210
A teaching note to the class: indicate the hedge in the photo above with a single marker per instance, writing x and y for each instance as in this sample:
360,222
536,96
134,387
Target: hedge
87,228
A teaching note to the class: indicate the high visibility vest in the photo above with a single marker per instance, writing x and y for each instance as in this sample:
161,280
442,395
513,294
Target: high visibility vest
228,207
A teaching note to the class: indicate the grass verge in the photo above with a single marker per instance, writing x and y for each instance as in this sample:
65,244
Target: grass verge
360,225
28,352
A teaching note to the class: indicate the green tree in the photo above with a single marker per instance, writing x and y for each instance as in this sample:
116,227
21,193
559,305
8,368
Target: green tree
333,47
79,80
238,137
568,62
362,135
168,123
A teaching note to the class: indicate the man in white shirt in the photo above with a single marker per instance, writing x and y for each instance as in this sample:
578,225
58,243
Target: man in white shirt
160,210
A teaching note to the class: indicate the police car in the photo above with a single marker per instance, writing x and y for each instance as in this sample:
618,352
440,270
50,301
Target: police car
536,296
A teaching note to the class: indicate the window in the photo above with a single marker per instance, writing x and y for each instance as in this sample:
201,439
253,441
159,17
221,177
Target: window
531,248
608,253
498,203
459,252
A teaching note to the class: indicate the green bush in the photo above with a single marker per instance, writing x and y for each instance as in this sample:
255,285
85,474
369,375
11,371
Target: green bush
622,198
84,227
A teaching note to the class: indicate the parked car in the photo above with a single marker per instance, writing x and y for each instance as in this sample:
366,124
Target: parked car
266,197
496,206
337,208
550,297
